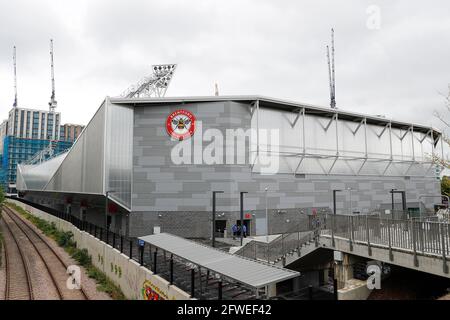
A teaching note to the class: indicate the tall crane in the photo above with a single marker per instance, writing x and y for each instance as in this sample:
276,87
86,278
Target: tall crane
53,103
15,77
331,72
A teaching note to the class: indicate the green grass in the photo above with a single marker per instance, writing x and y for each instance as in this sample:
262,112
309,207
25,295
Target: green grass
65,240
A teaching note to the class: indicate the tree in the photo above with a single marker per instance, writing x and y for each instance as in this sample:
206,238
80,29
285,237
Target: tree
445,185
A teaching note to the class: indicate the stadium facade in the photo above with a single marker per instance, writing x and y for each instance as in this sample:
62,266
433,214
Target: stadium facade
150,165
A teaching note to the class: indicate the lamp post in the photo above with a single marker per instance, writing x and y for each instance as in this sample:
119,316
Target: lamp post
267,217
392,201
334,200
333,227
214,217
242,215
351,203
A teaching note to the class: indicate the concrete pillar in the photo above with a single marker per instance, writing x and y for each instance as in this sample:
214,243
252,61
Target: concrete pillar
296,284
343,270
271,290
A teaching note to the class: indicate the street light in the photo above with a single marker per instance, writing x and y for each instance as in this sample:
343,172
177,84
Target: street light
334,200
267,217
392,197
351,203
214,217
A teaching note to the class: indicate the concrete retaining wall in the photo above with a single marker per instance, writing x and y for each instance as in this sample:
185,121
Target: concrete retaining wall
135,281
354,290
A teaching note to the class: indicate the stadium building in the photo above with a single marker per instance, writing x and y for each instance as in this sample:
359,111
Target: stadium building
147,165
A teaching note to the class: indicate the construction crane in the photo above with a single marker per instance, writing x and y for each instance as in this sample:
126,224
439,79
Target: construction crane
331,72
154,85
53,103
15,77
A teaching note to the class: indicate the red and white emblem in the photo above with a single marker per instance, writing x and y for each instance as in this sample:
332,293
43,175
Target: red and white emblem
180,124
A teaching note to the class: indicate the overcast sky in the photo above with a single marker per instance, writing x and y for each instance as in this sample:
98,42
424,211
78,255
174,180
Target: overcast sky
271,48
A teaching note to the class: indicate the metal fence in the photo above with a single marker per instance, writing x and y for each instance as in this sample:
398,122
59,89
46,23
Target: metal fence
193,279
421,235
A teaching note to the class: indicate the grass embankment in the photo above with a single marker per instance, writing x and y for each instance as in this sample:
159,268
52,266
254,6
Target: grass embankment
65,240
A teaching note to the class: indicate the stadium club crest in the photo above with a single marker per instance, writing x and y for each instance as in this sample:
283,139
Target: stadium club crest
180,124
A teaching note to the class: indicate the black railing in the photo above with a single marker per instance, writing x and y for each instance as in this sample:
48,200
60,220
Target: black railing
174,269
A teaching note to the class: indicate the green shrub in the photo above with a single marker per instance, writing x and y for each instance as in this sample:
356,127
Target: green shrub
64,239
83,257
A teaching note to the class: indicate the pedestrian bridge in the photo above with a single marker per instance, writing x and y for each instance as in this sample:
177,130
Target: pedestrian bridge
419,244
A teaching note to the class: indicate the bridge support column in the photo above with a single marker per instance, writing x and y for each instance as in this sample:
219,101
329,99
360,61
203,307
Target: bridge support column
343,270
271,290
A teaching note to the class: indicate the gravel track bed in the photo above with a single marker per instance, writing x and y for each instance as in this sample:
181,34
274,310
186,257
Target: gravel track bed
89,285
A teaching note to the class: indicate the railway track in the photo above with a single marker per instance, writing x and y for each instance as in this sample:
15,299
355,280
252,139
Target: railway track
54,264
18,284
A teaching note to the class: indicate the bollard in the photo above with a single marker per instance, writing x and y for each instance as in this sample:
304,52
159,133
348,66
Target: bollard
121,244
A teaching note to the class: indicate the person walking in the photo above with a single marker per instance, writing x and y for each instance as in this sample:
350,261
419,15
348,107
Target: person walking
234,230
244,231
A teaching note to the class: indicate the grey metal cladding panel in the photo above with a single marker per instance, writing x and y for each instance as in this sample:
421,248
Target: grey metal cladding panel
82,169
20,183
93,157
154,173
250,272
35,177
119,152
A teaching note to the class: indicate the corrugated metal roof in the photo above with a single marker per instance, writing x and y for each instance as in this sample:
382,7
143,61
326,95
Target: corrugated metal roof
249,272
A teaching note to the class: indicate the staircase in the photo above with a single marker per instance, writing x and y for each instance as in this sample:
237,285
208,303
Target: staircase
282,251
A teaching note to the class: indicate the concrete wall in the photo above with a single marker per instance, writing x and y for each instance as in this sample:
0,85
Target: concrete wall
354,290
133,279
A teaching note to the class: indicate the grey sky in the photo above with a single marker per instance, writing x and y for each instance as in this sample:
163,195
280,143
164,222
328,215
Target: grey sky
273,48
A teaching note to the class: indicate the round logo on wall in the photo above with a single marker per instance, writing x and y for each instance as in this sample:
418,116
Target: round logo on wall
180,124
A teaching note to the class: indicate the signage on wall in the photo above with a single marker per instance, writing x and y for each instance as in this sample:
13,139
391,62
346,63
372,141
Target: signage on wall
180,124
112,207
152,292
